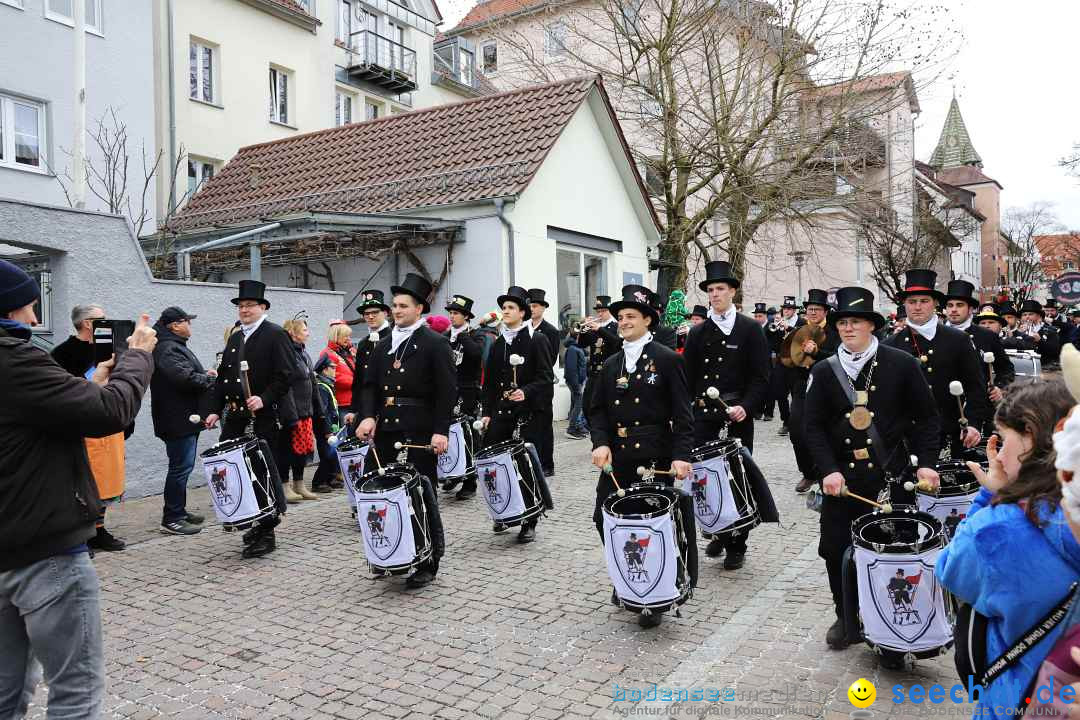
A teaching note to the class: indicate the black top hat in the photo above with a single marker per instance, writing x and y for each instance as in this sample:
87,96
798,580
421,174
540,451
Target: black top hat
372,299
700,311
536,295
759,308
1051,303
789,301
815,296
920,282
602,302
252,290
1033,306
961,290
901,312
856,302
415,286
989,312
718,271
1006,308
461,304
517,295
638,297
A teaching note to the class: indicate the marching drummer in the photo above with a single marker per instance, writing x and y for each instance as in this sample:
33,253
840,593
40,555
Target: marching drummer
640,415
727,352
375,311
253,389
867,409
467,351
960,304
407,399
519,384
945,355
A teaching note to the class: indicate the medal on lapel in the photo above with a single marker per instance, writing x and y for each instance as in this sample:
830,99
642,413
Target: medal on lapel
622,383
860,417
397,364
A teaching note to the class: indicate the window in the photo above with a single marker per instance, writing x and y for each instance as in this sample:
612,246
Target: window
201,70
344,25
343,109
279,96
308,5
371,110
466,59
62,12
198,172
22,134
489,54
555,39
581,276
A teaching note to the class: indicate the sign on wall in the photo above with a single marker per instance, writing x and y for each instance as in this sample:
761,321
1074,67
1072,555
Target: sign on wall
1066,288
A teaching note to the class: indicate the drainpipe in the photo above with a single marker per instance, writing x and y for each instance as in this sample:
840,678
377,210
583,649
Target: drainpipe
500,204
172,110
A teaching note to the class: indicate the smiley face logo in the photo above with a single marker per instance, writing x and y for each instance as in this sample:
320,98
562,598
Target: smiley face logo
862,693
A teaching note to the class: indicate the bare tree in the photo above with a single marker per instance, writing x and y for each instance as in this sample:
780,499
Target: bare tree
729,105
1023,225
107,172
1071,162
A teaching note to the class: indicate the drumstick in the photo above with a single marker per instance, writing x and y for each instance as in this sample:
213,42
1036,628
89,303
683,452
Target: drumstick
400,445
886,507
194,418
478,425
923,485
642,470
611,473
244,367
956,389
382,470
714,394
988,358
515,360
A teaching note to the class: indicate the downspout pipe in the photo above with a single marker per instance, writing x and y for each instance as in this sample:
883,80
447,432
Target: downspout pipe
172,111
500,206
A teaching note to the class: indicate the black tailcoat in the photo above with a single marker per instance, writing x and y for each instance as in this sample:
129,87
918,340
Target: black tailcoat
949,356
988,341
600,345
364,349
551,334
535,378
467,350
271,370
737,365
426,381
1048,345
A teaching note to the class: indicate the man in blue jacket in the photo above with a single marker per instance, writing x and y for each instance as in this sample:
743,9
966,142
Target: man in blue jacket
575,373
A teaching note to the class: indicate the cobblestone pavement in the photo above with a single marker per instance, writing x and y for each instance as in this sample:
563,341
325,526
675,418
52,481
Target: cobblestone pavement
507,631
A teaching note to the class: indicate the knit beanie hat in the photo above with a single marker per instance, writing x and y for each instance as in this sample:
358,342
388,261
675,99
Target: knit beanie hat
17,289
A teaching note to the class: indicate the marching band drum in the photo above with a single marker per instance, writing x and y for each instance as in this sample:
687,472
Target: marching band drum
723,503
890,570
239,474
650,547
351,454
392,517
458,463
953,498
512,483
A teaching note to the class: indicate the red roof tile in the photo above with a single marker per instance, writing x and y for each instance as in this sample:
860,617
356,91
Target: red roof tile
964,175
478,149
485,11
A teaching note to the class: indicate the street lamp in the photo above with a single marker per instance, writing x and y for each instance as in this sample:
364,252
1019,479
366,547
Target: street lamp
800,259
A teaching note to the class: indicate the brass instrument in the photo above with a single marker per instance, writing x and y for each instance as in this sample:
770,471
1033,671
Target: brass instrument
791,351
586,324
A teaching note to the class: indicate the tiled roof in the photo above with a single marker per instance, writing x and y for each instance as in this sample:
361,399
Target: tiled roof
474,150
954,148
485,11
964,175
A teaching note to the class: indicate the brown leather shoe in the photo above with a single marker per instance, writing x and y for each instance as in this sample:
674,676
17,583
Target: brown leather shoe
804,486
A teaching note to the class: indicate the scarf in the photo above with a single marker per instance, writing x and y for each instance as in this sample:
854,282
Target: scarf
632,350
508,335
928,331
853,363
1036,328
248,329
400,334
454,332
16,329
962,326
724,321
791,321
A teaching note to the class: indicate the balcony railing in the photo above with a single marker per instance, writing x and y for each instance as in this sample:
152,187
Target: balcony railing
381,61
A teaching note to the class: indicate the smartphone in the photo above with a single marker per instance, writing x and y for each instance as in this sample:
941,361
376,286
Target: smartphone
111,338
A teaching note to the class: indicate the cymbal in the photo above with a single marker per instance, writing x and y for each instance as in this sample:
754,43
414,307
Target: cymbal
798,338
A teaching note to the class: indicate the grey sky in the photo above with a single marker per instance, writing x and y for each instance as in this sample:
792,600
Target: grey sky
1014,77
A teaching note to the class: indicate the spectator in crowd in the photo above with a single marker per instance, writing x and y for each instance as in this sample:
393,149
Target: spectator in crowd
179,385
1013,558
49,593
575,374
438,323
301,436
76,355
326,476
340,350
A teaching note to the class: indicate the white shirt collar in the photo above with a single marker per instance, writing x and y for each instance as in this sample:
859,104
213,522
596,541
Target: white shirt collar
791,321
928,331
454,332
1036,328
724,321
632,350
509,335
248,329
853,363
962,326
400,334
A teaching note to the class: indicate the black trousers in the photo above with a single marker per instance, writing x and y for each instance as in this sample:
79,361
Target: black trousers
545,434
626,473
425,463
708,430
277,441
778,390
797,434
502,428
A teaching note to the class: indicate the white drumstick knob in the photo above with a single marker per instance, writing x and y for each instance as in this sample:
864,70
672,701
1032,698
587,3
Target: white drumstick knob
620,492
956,388
914,460
641,471
244,366
712,393
194,419
382,471
398,446
517,360
988,358
886,507
909,486
333,441
478,425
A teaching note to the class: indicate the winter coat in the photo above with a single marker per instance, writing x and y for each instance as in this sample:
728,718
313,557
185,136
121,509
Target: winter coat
1012,572
48,498
574,370
344,359
179,389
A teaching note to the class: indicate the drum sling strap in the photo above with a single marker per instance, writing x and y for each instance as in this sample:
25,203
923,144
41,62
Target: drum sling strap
876,444
971,644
